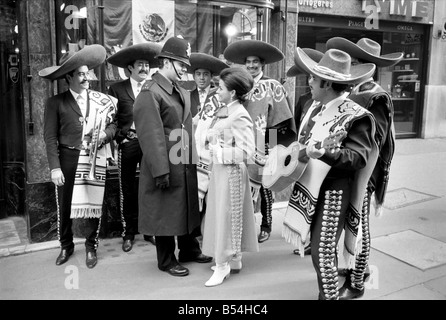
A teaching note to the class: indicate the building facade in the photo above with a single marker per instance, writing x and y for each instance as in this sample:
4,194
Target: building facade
35,34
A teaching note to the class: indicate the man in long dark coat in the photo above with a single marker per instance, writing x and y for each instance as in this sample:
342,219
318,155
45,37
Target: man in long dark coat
168,192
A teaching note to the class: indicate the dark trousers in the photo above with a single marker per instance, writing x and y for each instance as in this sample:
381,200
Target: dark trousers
326,229
68,162
188,246
129,157
266,208
362,259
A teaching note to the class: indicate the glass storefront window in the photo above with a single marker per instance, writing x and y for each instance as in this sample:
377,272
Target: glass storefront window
209,26
404,81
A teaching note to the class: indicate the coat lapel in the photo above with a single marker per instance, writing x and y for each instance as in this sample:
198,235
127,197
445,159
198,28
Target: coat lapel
73,104
128,88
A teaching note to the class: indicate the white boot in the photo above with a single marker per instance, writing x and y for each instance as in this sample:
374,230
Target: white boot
221,272
235,263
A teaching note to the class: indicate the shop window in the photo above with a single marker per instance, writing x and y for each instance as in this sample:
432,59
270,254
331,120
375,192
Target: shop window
209,26
403,81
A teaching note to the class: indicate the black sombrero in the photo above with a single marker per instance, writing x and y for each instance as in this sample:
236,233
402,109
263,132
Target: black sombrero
237,51
141,51
206,61
90,56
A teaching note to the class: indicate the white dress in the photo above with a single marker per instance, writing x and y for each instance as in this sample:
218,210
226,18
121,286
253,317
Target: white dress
229,225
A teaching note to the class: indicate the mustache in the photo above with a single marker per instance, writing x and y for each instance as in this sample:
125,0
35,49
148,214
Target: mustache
143,71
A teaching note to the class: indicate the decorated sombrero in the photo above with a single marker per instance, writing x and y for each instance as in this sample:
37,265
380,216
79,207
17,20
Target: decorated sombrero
176,48
141,51
365,49
313,54
206,61
238,51
335,66
90,56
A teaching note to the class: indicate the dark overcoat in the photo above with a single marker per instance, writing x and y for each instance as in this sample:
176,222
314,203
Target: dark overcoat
163,123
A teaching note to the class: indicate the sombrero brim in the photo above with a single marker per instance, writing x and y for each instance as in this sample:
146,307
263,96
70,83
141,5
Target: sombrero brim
173,57
358,73
206,61
355,51
237,51
142,51
90,56
313,54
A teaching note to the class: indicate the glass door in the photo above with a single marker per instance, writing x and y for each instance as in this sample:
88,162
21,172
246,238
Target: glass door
403,81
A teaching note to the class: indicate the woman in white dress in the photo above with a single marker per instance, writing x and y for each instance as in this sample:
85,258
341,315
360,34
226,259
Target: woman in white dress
229,227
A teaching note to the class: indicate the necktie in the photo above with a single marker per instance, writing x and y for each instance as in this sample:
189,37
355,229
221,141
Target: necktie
81,103
138,88
310,123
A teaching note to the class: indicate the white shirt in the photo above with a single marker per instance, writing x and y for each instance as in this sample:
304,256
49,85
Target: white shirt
258,77
136,86
81,100
203,96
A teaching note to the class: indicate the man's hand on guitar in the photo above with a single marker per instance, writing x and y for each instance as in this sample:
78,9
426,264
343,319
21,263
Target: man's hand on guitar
313,151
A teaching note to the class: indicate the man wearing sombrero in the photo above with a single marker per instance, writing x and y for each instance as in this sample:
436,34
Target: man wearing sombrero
168,194
270,110
203,106
78,126
371,96
304,101
203,68
137,60
328,197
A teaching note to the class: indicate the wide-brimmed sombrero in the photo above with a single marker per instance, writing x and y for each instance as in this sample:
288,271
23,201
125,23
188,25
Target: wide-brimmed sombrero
205,61
335,66
176,48
313,54
365,49
237,51
90,56
141,51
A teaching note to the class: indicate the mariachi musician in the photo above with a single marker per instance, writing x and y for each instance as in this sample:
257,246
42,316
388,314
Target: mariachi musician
78,126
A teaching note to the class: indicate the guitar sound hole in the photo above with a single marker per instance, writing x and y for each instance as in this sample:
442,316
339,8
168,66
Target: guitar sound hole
287,160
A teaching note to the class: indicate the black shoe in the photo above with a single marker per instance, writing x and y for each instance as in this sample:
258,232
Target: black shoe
263,236
201,258
64,256
150,239
127,245
92,259
347,292
307,251
178,271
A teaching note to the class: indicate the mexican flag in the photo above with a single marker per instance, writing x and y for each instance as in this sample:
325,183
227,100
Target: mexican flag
128,22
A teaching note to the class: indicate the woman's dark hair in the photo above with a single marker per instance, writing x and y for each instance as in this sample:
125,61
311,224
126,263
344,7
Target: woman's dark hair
238,79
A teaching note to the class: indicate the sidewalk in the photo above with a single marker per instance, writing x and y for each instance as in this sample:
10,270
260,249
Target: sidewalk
407,259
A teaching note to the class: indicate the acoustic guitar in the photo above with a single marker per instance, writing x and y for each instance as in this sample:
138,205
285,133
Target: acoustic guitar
285,165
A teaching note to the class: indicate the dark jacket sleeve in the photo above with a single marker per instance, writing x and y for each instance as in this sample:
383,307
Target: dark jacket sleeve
380,110
51,132
355,149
